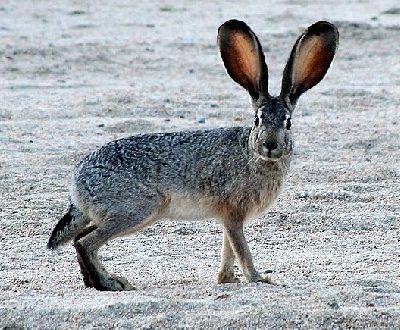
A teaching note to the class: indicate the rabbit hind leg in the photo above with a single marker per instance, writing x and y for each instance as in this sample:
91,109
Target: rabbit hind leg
89,242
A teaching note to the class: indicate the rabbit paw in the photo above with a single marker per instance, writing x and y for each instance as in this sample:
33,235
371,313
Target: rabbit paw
114,283
226,277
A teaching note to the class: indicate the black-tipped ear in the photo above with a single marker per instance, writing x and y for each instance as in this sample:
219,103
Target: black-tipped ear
309,60
243,57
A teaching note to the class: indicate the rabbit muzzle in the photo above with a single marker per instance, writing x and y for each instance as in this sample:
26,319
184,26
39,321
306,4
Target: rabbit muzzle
271,149
270,144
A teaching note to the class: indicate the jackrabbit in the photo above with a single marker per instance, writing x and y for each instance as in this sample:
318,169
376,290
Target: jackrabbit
226,173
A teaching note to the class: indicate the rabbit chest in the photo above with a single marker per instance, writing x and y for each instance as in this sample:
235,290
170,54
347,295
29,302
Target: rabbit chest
246,196
263,188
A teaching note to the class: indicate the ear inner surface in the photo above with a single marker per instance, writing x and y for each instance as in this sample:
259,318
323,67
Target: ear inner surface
243,57
311,64
247,68
310,59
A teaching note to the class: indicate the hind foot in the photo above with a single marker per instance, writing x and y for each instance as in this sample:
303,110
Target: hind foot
113,283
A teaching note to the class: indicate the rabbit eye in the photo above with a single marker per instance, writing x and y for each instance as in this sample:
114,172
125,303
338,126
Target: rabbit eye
288,123
257,121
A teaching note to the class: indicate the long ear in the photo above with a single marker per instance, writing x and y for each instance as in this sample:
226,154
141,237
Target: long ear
309,60
243,57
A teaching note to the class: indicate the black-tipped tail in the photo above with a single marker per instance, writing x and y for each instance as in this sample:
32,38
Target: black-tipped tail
57,235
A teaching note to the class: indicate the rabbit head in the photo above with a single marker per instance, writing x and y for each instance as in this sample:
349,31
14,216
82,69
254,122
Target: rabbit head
311,56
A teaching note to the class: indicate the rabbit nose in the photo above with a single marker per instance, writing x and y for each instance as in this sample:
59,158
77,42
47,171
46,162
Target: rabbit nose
271,145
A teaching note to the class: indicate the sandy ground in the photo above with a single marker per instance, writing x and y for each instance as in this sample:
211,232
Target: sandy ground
74,76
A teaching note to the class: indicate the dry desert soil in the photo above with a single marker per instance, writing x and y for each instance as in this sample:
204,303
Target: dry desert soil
77,74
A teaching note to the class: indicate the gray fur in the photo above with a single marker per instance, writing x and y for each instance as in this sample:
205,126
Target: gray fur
231,174
214,165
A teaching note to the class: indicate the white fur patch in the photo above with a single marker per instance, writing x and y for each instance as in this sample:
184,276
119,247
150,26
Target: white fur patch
186,207
259,114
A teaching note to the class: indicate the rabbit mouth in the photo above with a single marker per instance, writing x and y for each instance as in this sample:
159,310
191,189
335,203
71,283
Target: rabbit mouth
272,155
268,159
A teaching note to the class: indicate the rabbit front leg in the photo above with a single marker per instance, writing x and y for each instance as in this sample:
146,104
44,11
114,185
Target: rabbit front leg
226,273
235,234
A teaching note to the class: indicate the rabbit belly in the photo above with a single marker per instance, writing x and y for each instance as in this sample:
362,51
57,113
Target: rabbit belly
185,207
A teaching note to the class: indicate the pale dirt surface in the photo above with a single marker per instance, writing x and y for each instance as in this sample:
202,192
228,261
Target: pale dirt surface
76,74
